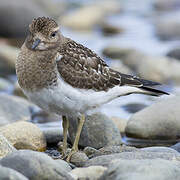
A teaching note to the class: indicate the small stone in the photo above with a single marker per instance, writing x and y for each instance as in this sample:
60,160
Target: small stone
98,131
35,165
5,147
55,154
161,118
10,174
24,135
149,169
78,159
89,151
90,173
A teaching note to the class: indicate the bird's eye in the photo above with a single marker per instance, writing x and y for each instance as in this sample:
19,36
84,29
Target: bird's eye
53,34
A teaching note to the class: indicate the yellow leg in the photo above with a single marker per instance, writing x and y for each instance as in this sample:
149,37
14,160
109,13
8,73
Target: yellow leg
76,141
65,130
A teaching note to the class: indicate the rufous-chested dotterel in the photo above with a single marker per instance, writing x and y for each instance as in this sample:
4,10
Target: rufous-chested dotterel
66,78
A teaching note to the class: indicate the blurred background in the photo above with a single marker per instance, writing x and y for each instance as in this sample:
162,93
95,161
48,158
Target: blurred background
139,37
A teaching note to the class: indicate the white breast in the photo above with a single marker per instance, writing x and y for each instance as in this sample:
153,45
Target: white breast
67,100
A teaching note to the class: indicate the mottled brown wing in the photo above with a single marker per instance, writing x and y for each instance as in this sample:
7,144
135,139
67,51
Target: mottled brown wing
82,68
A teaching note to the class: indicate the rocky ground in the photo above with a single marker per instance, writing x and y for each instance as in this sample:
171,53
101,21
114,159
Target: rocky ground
142,145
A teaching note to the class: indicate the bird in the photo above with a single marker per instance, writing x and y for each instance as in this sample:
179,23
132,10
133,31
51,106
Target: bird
66,78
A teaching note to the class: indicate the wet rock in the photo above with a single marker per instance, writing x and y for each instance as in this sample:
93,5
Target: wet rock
98,131
90,173
24,135
166,5
176,147
79,159
53,135
167,26
161,118
5,147
35,165
134,107
5,84
105,160
174,53
10,174
8,55
109,29
142,169
13,109
15,17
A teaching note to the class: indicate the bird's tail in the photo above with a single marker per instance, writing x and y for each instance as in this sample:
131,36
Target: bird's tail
152,91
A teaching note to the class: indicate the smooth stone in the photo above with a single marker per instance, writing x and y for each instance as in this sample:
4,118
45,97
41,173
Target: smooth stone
24,135
166,5
64,164
176,147
79,159
90,173
174,53
105,160
53,135
10,174
120,123
151,169
89,151
16,15
119,66
5,147
98,131
13,108
167,26
8,55
161,118
5,84
35,165
159,149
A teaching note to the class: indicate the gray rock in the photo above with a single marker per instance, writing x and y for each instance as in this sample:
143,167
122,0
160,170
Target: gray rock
161,118
15,17
90,173
176,147
142,169
159,149
10,174
4,84
35,165
53,135
24,135
174,53
5,147
8,55
66,167
167,26
98,131
13,109
166,5
106,159
79,159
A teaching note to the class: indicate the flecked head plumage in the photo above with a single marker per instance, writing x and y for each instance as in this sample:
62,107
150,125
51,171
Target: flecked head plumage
42,24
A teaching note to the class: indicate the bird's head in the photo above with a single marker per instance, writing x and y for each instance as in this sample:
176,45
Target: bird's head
44,34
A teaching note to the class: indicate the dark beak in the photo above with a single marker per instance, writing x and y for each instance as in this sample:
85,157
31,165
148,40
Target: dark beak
36,43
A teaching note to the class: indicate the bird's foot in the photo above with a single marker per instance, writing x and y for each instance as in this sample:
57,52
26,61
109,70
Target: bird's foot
73,150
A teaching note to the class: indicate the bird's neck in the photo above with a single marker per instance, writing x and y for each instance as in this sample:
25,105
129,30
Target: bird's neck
36,69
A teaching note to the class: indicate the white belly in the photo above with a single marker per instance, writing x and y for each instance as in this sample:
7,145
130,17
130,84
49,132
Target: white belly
67,100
